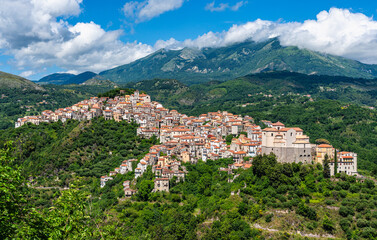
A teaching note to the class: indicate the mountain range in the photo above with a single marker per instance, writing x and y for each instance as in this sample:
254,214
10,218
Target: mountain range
192,66
66,78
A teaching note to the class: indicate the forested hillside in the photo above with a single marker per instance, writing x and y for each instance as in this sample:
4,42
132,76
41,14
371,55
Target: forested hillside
58,165
82,149
269,200
347,90
66,78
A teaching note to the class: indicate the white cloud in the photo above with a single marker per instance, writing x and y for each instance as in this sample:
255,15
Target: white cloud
37,40
32,34
224,6
91,48
337,31
58,7
27,74
146,10
238,5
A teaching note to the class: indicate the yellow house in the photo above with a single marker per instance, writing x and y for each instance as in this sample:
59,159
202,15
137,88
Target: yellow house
321,151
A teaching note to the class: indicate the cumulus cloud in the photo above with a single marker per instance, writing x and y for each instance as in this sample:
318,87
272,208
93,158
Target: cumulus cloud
224,6
91,48
37,36
35,33
146,10
337,31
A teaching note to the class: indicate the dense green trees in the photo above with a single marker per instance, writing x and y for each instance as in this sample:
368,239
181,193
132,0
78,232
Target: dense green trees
200,207
11,197
117,92
18,219
90,149
264,165
306,211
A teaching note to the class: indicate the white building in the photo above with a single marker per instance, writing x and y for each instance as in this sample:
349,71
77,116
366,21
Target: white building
104,179
347,163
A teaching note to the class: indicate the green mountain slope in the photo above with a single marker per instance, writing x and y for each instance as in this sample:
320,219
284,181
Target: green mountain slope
195,66
66,78
175,94
99,81
56,78
80,78
10,81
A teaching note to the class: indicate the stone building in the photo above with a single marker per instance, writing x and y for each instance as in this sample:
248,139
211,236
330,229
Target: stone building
288,144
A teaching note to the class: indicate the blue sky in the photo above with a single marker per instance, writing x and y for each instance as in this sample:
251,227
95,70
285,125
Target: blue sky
45,36
192,19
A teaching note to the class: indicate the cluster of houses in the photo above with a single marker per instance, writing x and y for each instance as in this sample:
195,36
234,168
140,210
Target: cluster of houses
183,138
165,168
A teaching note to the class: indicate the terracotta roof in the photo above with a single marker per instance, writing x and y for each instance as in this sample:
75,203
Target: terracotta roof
278,124
270,130
324,146
161,179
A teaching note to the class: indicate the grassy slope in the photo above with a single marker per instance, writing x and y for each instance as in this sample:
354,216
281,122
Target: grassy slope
11,81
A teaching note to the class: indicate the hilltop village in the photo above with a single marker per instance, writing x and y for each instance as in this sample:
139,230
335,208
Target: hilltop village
185,138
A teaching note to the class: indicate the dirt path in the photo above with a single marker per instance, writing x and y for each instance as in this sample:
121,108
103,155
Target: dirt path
310,235
59,188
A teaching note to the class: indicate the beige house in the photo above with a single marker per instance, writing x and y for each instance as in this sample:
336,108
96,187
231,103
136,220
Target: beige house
185,156
161,184
128,192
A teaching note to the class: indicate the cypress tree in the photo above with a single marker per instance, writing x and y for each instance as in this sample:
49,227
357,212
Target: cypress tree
326,167
335,162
